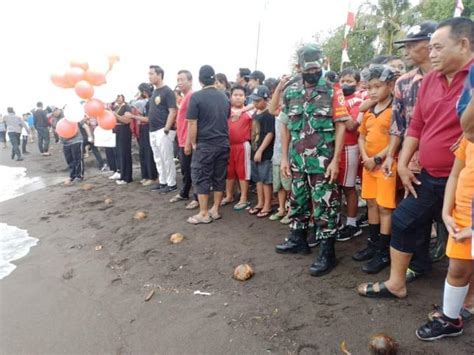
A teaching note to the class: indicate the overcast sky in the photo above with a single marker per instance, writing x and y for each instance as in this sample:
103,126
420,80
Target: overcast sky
40,37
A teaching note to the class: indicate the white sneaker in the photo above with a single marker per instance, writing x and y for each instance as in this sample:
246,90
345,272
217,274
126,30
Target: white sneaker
143,180
115,176
121,182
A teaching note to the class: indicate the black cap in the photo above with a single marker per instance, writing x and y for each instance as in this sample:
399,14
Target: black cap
257,75
145,87
244,72
260,92
420,32
206,73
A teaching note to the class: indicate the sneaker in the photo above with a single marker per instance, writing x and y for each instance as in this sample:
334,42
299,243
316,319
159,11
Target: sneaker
363,220
412,275
168,189
285,220
158,187
148,182
348,232
439,328
104,168
365,254
115,176
379,262
142,181
121,182
19,159
312,241
177,198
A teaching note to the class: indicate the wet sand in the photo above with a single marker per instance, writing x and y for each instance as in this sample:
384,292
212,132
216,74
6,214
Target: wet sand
67,297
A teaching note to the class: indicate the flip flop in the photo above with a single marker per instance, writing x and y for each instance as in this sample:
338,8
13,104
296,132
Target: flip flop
254,210
215,217
197,219
276,217
263,214
192,205
383,291
225,202
241,206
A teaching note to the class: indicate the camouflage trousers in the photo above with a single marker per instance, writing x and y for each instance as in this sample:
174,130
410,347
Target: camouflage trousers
312,195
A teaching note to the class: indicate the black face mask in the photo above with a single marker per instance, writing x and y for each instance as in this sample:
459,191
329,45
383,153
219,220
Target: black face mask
348,90
312,79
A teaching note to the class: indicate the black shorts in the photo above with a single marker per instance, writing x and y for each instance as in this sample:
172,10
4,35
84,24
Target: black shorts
209,168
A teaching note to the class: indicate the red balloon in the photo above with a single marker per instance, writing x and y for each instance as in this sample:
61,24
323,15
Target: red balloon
60,80
94,108
95,77
107,120
66,129
79,64
74,75
84,89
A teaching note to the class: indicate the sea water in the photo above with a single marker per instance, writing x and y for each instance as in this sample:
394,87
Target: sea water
15,243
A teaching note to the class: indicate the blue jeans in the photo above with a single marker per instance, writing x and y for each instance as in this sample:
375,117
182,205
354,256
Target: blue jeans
414,216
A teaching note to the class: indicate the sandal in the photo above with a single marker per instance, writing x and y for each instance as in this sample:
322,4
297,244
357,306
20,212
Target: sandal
263,214
254,210
197,219
241,206
383,291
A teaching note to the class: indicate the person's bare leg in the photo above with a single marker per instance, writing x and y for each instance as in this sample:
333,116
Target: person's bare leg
244,191
267,197
281,202
373,210
229,190
260,197
203,205
469,300
352,200
218,195
385,215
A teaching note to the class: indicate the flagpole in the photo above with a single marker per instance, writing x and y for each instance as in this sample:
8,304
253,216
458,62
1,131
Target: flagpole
258,45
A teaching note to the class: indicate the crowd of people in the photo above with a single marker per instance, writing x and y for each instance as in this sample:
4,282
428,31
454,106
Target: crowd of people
307,142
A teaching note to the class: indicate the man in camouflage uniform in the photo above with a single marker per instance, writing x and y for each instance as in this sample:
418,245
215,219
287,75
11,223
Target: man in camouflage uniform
312,118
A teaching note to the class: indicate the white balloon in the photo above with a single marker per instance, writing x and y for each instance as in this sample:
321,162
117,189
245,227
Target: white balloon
74,112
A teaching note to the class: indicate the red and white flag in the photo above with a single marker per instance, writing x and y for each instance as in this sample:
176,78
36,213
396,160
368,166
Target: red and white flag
459,8
350,22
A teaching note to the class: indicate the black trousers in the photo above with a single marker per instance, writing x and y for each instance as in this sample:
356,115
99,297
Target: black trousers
15,142
24,142
185,162
147,161
75,160
111,156
124,151
95,151
43,139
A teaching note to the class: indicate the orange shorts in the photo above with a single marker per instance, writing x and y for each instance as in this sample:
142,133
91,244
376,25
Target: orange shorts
460,250
376,186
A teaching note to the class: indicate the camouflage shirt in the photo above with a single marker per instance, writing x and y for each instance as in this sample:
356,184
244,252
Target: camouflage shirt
310,116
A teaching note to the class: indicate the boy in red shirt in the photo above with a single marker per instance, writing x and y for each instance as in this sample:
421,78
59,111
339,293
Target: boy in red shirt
240,128
350,155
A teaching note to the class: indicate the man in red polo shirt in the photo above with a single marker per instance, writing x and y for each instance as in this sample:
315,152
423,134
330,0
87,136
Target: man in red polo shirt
185,85
433,130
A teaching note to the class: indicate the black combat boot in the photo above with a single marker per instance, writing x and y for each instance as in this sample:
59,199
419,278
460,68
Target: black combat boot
326,259
295,243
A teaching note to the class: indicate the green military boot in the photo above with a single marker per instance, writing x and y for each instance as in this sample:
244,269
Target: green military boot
295,243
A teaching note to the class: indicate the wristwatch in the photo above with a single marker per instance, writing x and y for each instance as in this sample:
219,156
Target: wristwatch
378,160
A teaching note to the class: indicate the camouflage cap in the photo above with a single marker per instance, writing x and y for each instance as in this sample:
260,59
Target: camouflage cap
310,56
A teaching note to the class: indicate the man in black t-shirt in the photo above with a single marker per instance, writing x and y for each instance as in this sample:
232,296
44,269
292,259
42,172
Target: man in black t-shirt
41,123
162,116
208,136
